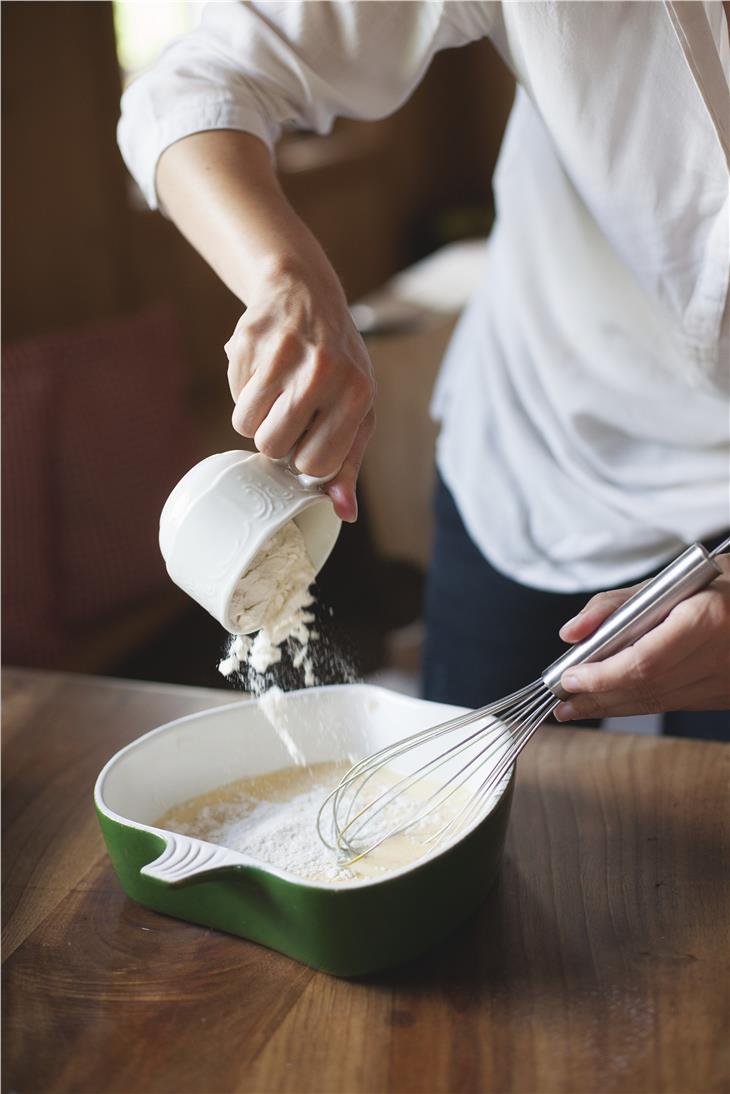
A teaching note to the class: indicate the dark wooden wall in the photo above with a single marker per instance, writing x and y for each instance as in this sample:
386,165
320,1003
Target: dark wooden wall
75,249
65,214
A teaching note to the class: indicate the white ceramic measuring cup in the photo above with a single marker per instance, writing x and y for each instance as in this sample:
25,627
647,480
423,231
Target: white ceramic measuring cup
221,514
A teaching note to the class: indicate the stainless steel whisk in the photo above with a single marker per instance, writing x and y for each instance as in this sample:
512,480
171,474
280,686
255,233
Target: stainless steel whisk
479,759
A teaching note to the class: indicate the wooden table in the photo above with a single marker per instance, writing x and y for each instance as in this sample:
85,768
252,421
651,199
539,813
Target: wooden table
600,962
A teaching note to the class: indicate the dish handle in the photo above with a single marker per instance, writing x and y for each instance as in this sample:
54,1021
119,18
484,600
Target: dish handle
185,859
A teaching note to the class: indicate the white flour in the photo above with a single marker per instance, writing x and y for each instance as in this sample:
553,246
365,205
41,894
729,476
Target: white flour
283,834
273,704
273,818
274,597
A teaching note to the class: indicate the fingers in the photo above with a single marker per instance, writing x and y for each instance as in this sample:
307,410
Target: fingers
292,395
662,671
597,609
641,669
333,429
315,414
280,429
240,350
681,664
342,489
316,423
699,693
254,404
660,652
627,678
623,703
257,376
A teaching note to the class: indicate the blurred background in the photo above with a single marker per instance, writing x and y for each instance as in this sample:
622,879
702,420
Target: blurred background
113,330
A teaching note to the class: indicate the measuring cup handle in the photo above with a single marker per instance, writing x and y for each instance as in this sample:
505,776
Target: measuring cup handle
307,481
692,571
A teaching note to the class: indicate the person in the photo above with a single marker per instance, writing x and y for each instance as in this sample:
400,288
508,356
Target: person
583,403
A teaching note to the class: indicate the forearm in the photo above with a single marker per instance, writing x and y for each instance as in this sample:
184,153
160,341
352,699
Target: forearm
221,190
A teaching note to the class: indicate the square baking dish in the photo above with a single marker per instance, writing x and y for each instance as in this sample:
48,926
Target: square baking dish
344,928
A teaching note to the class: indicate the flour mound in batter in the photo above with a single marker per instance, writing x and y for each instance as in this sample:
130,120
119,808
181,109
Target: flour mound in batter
273,818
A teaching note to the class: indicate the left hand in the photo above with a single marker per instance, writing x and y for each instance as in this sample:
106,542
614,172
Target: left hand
683,664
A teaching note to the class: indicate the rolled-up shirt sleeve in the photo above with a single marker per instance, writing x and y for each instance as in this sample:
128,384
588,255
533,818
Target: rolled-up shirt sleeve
260,66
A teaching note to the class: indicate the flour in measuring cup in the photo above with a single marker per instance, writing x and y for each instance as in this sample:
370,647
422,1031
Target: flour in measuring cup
274,594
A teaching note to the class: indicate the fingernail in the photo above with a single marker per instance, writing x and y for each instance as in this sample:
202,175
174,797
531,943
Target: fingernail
345,503
565,712
350,507
572,681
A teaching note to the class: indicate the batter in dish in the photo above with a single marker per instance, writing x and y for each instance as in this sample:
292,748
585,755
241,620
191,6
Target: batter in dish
273,818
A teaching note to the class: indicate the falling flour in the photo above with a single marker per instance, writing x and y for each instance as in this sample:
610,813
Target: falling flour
273,705
273,597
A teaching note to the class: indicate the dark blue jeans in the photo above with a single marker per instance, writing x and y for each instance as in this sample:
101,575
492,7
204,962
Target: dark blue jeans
487,635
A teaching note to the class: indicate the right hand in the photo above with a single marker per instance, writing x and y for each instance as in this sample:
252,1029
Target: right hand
301,378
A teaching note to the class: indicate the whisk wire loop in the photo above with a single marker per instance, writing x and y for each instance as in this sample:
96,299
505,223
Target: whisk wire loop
435,801
495,741
352,812
362,771
541,708
495,776
381,802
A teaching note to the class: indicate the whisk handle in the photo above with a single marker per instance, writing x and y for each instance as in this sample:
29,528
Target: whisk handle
692,571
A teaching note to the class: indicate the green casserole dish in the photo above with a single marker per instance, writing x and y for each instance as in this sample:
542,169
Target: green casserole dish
344,928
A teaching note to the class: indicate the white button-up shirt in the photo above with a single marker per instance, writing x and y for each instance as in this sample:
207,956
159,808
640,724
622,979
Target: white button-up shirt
585,399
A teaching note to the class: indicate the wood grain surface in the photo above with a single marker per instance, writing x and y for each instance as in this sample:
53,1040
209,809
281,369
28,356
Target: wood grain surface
600,961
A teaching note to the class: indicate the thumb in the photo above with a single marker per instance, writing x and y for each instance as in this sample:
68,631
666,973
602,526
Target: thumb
342,488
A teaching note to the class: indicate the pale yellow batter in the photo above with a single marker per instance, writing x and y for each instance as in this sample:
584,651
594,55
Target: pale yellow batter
273,818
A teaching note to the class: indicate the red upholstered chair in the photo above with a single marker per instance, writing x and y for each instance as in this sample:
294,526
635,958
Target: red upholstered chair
95,432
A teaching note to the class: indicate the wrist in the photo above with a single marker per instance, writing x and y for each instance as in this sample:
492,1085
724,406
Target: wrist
296,268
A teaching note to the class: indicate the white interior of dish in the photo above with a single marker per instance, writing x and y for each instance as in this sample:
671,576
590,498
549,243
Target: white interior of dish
198,753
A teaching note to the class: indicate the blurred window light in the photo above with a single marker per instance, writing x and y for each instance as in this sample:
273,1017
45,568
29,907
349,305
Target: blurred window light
143,27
